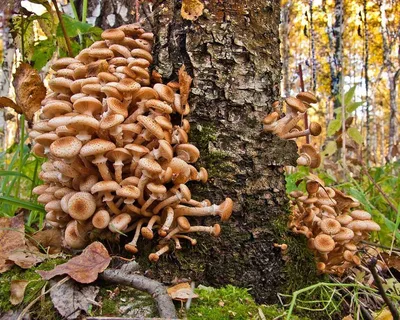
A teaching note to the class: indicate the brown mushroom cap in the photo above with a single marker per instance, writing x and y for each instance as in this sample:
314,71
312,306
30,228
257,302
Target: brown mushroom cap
96,146
113,35
360,215
105,186
296,104
330,226
324,243
81,206
165,93
66,147
314,158
344,234
152,126
307,97
101,219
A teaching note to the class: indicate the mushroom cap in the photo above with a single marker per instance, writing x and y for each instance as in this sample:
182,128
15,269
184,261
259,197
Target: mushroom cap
100,53
81,206
344,234
140,53
86,183
315,128
324,243
271,118
152,126
66,147
83,122
344,219
65,169
61,85
116,106
129,191
56,107
86,104
111,120
137,149
46,139
145,93
150,166
96,146
105,186
183,223
165,150
165,93
360,215
216,230
63,63
130,181
158,105
307,97
313,155
119,222
180,170
330,226
226,208
357,225
312,186
371,226
113,35
119,154
296,104
72,239
187,152
157,189
128,85
101,219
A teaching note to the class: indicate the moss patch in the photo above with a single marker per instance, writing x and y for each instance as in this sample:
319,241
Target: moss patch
32,291
215,161
229,303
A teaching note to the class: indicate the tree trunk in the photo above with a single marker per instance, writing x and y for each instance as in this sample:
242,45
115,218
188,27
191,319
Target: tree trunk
284,35
232,52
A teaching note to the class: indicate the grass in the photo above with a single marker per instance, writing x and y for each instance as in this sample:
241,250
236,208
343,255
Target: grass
19,169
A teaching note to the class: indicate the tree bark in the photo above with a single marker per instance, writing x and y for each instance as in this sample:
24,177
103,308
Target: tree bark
232,52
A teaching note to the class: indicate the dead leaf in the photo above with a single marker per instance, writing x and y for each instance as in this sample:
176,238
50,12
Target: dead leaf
392,261
181,292
191,9
49,239
12,238
70,298
27,256
85,267
184,85
349,317
7,102
29,89
385,314
17,291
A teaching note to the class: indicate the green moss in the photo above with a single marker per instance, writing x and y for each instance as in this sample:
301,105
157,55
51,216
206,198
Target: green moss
32,290
229,303
124,301
215,161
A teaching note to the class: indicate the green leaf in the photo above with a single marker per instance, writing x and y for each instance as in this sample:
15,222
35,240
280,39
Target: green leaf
353,106
13,173
43,52
349,95
330,148
333,127
355,135
21,203
73,27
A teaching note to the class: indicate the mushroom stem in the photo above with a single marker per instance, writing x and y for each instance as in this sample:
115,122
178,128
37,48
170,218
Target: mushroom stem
167,223
154,257
113,207
214,230
147,231
131,246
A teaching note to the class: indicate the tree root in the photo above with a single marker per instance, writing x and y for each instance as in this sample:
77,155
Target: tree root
165,306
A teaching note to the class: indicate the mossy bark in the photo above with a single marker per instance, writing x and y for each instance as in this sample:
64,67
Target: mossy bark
232,52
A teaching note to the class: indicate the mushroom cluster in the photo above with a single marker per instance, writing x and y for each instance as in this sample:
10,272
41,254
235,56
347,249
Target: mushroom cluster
117,147
287,126
333,225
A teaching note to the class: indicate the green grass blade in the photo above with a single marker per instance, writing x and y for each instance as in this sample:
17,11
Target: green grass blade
21,203
6,173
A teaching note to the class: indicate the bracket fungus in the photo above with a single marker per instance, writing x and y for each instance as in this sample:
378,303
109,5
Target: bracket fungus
334,230
116,143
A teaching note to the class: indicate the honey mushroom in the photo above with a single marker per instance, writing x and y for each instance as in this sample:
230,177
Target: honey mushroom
117,160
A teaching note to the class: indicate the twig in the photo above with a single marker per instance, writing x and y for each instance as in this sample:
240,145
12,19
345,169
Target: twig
384,195
165,306
305,113
378,283
373,244
26,309
64,31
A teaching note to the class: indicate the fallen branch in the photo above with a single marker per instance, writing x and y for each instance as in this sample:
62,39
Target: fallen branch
165,306
378,283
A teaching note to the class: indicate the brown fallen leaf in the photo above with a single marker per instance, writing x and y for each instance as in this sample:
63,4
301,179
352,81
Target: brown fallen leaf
29,89
392,261
181,292
84,268
191,9
50,239
17,291
7,102
12,238
184,85
27,256
70,298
